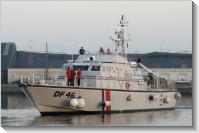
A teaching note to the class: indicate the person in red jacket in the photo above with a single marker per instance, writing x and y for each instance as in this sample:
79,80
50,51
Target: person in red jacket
79,76
108,52
69,76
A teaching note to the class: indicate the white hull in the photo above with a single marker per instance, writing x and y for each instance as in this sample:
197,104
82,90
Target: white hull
56,100
109,83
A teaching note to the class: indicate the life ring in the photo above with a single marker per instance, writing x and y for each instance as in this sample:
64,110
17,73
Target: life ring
128,85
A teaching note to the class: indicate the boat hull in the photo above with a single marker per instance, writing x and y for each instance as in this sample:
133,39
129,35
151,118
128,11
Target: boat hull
55,100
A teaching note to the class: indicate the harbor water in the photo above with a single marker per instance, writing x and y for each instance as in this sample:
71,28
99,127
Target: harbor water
21,112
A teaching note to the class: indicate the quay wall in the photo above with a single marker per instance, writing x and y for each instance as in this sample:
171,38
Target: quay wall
13,97
28,73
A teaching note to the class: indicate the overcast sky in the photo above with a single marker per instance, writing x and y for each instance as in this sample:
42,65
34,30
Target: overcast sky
66,25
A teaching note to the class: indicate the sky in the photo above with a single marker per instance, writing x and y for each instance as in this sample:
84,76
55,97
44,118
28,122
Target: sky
164,26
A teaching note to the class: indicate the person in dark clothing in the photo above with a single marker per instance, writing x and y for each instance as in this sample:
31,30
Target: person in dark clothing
82,50
69,76
79,76
101,51
72,72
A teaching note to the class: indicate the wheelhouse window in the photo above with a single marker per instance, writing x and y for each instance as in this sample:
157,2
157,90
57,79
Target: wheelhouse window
61,77
95,68
82,67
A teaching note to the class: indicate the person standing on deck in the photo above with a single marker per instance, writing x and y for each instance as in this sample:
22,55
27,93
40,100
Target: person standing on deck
69,76
79,76
72,73
108,52
82,50
101,51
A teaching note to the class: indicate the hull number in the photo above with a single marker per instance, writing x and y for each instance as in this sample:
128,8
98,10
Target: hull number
63,93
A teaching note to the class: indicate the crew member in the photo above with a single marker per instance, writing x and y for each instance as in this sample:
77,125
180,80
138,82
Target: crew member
79,76
69,76
82,50
108,52
101,51
72,73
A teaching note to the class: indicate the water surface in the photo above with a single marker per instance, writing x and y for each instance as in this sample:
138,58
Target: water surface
29,116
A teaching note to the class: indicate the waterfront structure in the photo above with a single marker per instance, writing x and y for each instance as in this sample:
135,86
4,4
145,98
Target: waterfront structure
16,64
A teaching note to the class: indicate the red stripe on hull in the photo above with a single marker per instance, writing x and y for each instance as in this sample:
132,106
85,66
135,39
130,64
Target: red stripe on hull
108,98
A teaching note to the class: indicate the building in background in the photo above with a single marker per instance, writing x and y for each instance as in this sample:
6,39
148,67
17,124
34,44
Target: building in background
17,65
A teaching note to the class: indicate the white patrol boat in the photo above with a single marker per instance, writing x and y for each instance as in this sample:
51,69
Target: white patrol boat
109,83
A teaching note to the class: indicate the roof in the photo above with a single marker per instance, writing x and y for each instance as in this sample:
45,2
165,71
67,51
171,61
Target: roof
100,58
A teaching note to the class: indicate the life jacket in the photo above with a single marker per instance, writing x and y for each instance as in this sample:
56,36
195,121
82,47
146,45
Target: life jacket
79,74
108,53
69,73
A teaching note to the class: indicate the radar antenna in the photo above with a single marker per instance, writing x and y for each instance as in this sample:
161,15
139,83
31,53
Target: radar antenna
119,39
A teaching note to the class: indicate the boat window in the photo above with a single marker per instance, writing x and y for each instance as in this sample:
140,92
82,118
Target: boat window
61,77
65,67
95,68
83,68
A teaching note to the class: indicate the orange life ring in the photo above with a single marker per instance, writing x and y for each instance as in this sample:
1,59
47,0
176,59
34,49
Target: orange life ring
128,85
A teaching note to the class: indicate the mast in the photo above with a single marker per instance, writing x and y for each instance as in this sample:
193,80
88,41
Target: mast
46,75
120,37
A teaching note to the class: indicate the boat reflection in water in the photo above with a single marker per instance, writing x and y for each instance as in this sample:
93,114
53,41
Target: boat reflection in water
178,117
29,116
